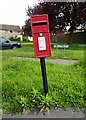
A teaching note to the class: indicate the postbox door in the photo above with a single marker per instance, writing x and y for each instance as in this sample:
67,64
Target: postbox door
42,45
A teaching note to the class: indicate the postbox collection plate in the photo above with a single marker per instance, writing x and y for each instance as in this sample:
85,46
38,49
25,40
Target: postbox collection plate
42,43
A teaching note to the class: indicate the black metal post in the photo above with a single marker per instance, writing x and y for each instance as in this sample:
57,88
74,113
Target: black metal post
44,76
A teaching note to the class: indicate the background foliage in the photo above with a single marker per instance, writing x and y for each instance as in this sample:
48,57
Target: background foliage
61,14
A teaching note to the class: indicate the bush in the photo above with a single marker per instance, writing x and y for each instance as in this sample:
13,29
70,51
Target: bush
11,38
25,39
14,39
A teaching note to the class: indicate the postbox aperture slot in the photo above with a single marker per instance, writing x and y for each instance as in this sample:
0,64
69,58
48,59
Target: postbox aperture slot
40,23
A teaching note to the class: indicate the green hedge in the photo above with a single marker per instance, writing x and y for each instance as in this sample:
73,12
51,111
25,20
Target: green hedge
25,39
15,39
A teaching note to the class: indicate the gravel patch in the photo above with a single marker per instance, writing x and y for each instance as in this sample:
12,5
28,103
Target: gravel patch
55,61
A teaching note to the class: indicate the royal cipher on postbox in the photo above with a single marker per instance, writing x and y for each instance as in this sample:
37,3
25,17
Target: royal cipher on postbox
41,35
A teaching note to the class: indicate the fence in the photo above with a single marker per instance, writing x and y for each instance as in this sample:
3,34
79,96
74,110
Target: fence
78,37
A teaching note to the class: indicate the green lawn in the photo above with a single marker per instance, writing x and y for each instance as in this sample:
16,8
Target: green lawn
75,51
25,51
22,87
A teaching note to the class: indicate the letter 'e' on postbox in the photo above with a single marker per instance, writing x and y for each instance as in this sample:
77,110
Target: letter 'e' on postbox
41,35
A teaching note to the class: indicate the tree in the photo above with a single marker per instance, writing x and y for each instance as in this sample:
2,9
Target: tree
27,28
61,14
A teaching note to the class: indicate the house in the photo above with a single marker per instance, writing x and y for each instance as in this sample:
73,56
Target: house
9,30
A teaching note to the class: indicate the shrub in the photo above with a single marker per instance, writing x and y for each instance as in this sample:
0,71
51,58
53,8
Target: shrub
25,39
14,39
11,38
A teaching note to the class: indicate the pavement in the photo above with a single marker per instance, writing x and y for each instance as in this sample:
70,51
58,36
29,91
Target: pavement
53,113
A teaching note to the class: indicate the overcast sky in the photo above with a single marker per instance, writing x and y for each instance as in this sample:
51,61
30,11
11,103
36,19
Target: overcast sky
13,11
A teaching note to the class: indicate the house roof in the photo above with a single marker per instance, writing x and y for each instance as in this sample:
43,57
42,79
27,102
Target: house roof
9,27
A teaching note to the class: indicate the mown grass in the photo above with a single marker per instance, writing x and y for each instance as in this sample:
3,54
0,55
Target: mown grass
23,89
25,51
75,51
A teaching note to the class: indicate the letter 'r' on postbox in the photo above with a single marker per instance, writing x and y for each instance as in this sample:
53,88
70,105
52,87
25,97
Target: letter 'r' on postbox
41,35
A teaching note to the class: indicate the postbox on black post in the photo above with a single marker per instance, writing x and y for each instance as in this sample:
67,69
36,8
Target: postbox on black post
41,40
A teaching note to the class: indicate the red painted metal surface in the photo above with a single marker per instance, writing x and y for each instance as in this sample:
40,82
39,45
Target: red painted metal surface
41,35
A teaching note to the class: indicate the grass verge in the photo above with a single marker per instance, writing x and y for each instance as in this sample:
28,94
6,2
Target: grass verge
23,90
75,51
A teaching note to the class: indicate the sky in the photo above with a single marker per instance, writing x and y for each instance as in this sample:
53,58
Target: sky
13,12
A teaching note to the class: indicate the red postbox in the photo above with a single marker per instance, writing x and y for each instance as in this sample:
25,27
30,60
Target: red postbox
41,35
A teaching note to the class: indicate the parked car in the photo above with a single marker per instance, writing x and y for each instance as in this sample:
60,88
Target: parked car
7,44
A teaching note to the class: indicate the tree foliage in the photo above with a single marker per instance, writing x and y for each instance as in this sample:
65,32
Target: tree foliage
61,14
27,28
